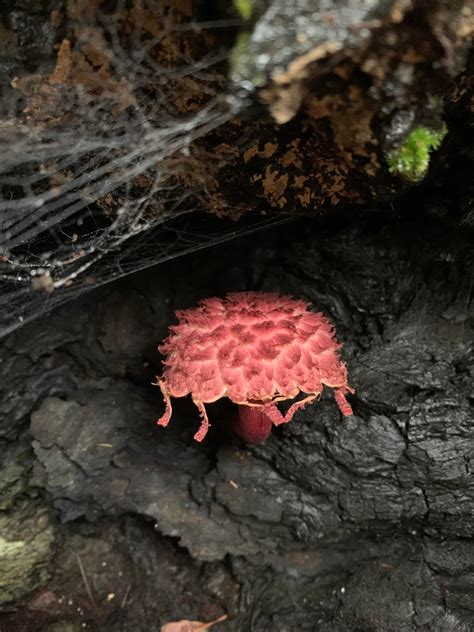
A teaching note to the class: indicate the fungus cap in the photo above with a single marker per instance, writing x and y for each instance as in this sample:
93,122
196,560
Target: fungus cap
256,349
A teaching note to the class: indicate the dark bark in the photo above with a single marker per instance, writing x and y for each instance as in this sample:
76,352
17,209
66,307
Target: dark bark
332,524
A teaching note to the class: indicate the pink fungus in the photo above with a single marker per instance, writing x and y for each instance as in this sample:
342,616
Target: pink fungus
257,349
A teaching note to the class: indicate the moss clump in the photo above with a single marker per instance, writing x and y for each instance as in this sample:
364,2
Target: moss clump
244,8
412,158
26,543
240,60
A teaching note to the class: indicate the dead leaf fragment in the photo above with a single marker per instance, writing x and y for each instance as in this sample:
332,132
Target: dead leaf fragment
184,625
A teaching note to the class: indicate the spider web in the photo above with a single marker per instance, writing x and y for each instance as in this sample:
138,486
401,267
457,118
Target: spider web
74,212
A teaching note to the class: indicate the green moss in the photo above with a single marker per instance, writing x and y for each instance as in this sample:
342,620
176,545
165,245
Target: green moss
26,543
238,55
244,8
412,158
240,61
12,483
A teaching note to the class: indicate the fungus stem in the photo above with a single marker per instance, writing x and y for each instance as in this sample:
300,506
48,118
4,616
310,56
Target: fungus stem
253,425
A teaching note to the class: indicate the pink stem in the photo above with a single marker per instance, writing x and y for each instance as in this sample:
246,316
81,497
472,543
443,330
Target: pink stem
253,425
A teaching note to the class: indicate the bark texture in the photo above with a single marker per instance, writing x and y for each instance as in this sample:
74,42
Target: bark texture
332,524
